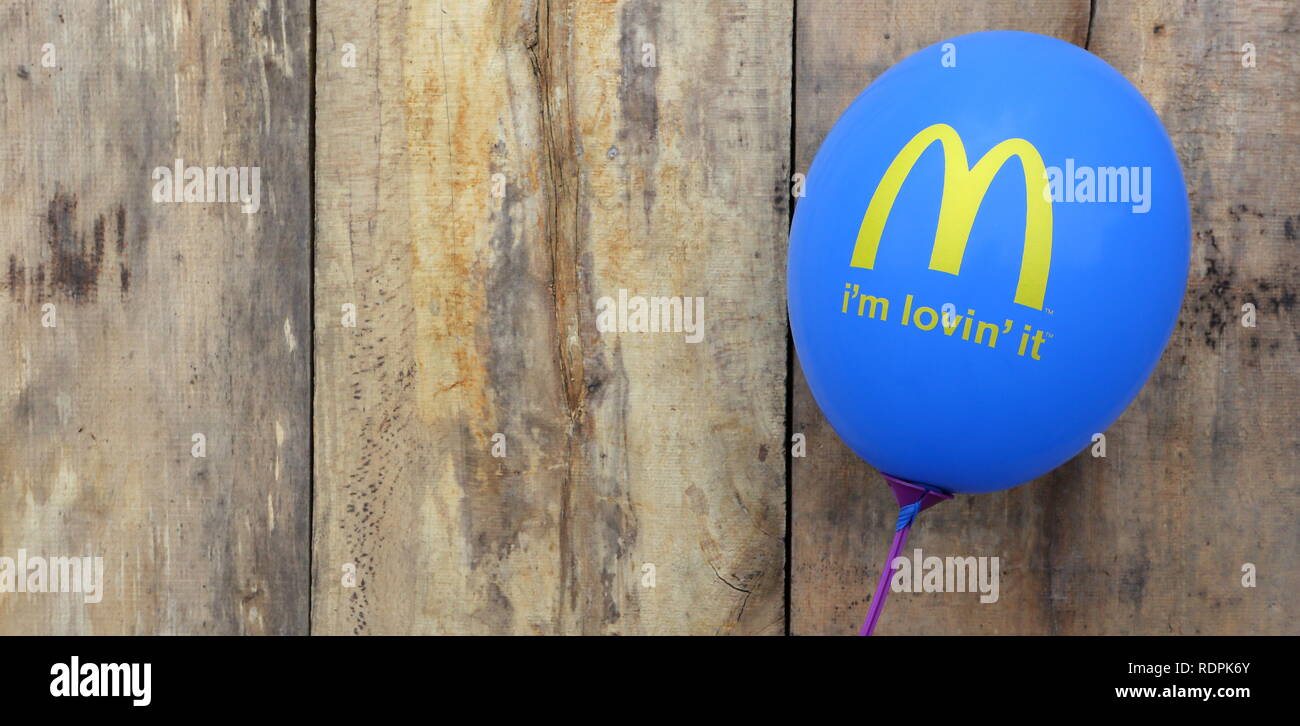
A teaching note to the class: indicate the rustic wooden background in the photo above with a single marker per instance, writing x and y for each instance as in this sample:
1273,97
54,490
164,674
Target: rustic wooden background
171,319
648,485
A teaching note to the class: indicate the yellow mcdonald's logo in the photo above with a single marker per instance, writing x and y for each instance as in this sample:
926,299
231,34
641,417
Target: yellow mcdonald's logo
963,191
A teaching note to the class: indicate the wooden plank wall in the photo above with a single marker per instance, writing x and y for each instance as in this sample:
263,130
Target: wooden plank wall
170,319
1200,473
659,174
475,456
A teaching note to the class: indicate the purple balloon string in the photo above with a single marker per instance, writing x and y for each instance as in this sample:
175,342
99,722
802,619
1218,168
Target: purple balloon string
912,498
882,589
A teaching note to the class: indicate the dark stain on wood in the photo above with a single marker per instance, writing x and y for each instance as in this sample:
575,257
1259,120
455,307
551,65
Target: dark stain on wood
74,269
496,498
639,23
75,263
121,229
38,283
1133,583
1211,300
124,274
1284,300
14,278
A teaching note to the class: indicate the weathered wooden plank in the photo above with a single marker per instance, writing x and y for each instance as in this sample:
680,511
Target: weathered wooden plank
1199,473
170,319
477,316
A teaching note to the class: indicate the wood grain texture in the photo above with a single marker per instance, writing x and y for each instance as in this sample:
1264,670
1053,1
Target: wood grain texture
171,319
477,316
1200,473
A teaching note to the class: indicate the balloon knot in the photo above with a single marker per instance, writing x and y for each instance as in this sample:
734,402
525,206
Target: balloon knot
906,514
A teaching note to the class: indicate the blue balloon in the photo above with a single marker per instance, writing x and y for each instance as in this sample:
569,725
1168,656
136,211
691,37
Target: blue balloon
988,260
